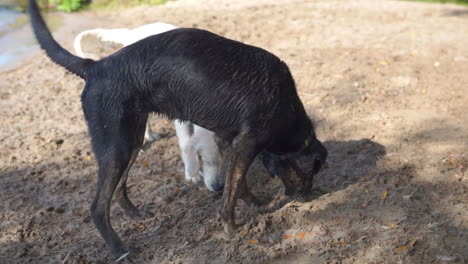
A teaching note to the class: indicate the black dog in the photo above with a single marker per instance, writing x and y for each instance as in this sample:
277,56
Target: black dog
244,94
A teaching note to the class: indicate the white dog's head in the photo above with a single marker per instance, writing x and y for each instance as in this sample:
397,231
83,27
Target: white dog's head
211,158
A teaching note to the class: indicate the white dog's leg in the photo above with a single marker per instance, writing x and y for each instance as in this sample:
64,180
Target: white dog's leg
151,136
188,151
211,158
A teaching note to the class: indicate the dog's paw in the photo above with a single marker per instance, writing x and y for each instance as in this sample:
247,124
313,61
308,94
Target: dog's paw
137,214
194,178
229,230
141,215
229,224
119,250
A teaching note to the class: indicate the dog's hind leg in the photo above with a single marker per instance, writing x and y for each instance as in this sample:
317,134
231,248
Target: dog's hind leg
110,173
244,150
114,146
121,192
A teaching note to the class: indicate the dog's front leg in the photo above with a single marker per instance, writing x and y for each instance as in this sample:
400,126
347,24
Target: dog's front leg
188,152
244,150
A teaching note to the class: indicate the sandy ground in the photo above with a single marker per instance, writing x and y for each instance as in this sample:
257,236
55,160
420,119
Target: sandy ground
386,83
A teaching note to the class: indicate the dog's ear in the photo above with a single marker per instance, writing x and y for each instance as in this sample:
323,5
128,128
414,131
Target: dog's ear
309,163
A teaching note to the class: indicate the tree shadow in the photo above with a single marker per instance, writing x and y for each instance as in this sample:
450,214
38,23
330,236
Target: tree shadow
42,206
347,218
410,223
348,161
458,12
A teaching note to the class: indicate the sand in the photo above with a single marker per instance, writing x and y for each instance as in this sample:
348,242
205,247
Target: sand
386,83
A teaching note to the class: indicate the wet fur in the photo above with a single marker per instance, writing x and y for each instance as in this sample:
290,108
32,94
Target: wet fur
192,145
244,94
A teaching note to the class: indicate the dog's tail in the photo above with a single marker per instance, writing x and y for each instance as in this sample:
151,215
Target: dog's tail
53,50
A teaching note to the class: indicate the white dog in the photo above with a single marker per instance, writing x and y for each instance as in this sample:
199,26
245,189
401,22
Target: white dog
200,142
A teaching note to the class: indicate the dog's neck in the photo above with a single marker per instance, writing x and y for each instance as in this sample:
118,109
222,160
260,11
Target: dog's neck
300,131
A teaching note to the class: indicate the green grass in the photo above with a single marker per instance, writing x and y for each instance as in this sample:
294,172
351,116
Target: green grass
76,5
114,4
459,2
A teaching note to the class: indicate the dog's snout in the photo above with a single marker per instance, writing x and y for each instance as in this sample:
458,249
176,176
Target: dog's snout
216,187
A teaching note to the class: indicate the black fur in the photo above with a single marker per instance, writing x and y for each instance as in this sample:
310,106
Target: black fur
244,94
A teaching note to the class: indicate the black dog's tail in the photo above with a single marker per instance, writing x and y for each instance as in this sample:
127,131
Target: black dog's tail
55,52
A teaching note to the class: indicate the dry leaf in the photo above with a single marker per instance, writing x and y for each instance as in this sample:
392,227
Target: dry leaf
253,241
177,189
145,164
402,248
384,194
340,243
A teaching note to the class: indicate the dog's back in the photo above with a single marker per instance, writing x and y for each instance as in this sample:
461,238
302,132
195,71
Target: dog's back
174,73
